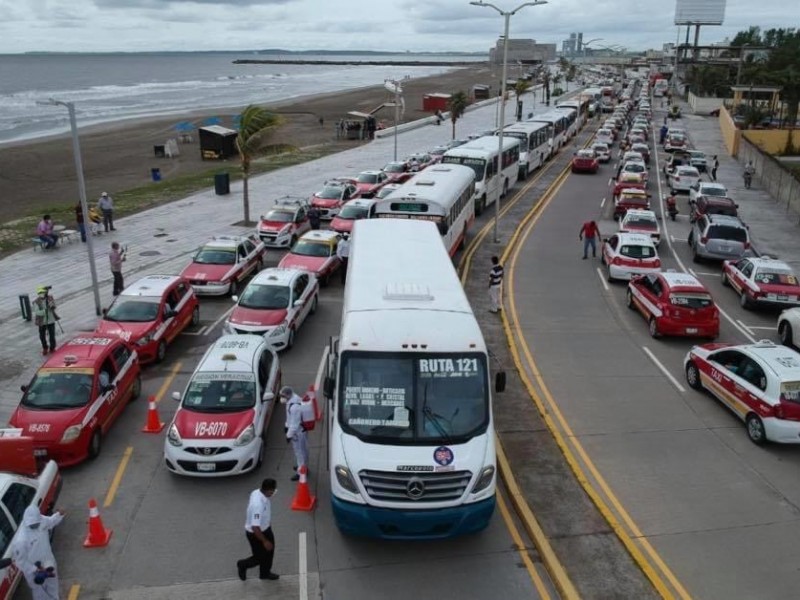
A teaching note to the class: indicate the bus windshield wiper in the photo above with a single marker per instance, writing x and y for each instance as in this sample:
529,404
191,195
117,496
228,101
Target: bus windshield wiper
435,419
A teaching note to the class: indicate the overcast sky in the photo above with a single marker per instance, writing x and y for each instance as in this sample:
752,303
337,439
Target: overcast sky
397,25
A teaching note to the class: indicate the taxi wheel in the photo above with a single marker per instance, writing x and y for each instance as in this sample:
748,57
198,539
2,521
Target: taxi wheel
653,328
136,391
725,282
234,288
505,188
196,315
260,459
608,273
294,239
755,429
324,280
629,300
693,376
785,333
95,444
744,301
290,339
314,303
161,351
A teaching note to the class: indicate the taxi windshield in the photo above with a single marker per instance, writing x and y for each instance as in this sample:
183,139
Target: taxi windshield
215,256
51,390
637,251
647,223
691,300
714,191
633,167
395,167
308,248
216,392
586,154
280,216
775,277
353,212
265,296
133,310
331,192
368,178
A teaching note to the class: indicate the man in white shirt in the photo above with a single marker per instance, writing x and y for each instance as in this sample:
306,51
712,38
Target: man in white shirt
295,432
343,252
258,529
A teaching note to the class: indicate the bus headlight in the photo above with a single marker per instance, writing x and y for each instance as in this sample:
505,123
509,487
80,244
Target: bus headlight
173,437
345,479
246,436
71,434
487,475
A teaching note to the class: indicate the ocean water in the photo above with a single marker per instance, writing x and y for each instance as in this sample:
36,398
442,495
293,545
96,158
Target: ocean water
115,87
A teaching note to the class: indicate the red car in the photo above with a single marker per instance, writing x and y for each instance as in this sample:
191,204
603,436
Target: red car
330,199
630,196
150,314
674,304
369,183
315,252
351,212
76,395
585,161
397,171
762,281
223,262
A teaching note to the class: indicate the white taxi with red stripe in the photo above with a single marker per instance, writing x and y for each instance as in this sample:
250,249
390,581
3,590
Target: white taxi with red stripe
629,254
284,223
274,305
641,221
762,282
674,304
222,263
221,424
759,383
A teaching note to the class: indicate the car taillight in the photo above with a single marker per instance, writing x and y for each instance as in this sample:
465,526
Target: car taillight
704,240
758,294
747,245
778,408
616,261
657,263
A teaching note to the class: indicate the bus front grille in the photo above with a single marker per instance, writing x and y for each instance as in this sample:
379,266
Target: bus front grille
391,486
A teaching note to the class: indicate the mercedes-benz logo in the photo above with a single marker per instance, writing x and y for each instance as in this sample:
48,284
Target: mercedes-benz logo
415,488
206,451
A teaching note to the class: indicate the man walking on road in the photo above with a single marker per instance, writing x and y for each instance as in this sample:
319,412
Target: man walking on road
116,257
714,167
588,234
258,530
106,205
343,252
295,432
45,317
495,285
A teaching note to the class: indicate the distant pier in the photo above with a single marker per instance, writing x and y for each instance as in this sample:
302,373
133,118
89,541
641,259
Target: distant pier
398,63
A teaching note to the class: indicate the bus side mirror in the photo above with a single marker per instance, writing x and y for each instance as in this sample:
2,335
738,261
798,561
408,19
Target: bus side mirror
443,229
327,387
500,381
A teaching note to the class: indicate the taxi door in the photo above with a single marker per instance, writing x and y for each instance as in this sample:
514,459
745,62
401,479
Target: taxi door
247,258
301,222
269,381
301,290
177,309
650,293
723,370
741,271
127,372
110,393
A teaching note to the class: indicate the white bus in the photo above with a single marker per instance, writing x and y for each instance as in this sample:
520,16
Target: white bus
571,114
411,442
579,104
493,178
534,144
559,123
442,194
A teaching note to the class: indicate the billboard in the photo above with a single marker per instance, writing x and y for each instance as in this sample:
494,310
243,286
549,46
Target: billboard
699,12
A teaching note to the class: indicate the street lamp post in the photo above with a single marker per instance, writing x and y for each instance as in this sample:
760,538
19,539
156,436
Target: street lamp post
586,44
507,16
394,87
76,151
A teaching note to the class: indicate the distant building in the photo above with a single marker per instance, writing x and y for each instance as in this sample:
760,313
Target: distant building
523,50
572,46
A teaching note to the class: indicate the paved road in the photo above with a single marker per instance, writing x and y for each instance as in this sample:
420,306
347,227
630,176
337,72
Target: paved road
721,512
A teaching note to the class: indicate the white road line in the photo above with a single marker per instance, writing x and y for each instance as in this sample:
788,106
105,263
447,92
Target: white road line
707,274
663,369
745,327
761,327
303,565
602,203
218,321
671,237
602,279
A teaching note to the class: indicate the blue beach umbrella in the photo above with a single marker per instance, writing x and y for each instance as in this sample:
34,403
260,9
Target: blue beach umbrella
184,126
237,121
212,121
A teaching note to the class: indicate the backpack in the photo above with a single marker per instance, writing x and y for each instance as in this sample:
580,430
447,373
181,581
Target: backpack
308,415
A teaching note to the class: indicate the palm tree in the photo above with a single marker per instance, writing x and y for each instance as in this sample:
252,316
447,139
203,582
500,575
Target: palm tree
457,105
546,81
255,124
521,87
555,79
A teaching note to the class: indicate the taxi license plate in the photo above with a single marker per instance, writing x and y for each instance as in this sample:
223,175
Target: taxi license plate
691,330
206,467
40,452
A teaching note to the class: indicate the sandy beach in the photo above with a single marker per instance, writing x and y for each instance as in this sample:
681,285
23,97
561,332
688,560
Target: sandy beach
39,176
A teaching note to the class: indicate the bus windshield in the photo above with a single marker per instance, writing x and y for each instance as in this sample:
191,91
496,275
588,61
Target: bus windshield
476,164
413,399
521,136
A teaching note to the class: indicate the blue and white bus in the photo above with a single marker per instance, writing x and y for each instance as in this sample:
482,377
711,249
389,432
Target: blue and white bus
560,124
535,141
411,444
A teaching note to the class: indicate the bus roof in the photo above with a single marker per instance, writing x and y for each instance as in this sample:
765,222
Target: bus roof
403,293
436,183
526,126
488,142
548,117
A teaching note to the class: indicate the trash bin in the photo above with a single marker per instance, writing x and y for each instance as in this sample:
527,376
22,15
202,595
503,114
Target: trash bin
160,151
155,174
25,306
222,184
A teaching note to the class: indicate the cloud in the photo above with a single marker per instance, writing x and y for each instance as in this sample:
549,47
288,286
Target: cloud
166,4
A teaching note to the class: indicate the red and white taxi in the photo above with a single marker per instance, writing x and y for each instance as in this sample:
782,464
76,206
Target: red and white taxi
221,424
369,183
21,486
330,199
223,262
585,161
150,314
397,171
627,197
351,212
629,254
284,223
759,383
274,305
641,221
674,304
76,395
315,252
762,282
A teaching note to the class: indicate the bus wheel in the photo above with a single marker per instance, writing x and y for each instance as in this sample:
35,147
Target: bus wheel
505,188
480,206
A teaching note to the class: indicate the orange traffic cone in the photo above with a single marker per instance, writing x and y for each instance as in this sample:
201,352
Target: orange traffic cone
303,500
153,424
98,535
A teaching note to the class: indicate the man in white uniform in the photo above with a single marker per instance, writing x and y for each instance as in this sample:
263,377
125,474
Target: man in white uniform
258,529
32,554
295,432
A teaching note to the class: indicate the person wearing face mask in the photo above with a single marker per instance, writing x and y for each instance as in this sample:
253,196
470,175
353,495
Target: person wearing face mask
45,317
295,432
32,555
258,530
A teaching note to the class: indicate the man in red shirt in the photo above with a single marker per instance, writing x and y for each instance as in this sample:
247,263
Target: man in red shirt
589,233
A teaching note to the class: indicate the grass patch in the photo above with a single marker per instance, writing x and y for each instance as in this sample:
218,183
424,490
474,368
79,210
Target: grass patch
16,234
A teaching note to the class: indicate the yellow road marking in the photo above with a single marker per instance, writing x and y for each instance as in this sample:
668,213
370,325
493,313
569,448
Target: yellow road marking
513,249
168,381
112,489
74,591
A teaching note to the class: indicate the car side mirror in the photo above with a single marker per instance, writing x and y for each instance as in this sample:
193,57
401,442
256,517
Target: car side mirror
235,298
24,388
328,386
104,311
109,387
5,562
297,303
267,396
169,313
500,381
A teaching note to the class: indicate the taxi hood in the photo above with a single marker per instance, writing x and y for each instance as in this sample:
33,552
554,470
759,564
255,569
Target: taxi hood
341,225
325,202
307,263
206,272
267,225
45,425
130,332
194,425
258,317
